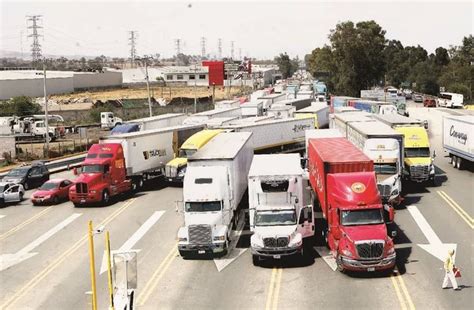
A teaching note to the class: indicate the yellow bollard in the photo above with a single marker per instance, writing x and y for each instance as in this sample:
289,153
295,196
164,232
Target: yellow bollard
109,270
92,267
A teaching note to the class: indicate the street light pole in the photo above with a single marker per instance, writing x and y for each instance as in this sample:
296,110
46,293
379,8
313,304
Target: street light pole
148,86
46,109
195,98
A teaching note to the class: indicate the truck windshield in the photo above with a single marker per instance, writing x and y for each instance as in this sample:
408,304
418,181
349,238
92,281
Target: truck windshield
205,206
185,153
92,169
385,168
417,152
361,217
275,218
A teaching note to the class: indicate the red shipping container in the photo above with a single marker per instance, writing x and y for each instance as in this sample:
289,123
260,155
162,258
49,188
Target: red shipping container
216,72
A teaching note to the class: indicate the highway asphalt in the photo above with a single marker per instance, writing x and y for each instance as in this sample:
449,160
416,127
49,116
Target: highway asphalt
47,249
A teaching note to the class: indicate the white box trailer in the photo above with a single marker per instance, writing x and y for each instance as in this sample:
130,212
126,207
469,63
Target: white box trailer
203,117
159,121
220,121
148,151
213,187
225,104
340,121
252,108
298,103
278,217
275,135
281,111
457,139
321,133
268,100
318,110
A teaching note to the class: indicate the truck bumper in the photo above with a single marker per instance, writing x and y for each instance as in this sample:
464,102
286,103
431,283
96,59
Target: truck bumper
368,265
85,199
201,249
175,180
276,252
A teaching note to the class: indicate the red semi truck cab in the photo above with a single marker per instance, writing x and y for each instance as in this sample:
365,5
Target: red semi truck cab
103,175
345,188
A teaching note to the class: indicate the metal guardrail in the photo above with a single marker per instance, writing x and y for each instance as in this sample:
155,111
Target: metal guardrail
59,165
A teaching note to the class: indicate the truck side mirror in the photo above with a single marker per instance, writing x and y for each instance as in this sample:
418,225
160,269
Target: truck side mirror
434,154
309,214
391,214
74,171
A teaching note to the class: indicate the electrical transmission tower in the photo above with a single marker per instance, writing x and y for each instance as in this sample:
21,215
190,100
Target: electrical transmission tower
133,43
177,43
232,49
203,47
35,45
219,48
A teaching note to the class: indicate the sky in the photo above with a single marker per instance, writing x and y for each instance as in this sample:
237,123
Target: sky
260,29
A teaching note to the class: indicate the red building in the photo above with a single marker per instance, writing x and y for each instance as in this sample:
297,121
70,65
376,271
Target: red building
216,72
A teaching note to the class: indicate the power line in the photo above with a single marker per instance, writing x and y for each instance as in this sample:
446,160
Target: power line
132,42
35,45
203,47
219,48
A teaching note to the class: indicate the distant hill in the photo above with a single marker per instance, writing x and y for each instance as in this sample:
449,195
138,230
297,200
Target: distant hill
26,55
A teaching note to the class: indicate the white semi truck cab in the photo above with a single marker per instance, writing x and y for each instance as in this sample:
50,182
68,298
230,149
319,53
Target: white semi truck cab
386,156
278,218
108,120
214,184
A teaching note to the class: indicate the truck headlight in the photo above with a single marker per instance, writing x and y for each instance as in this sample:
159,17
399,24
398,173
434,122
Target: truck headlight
432,169
47,196
295,239
347,253
93,191
219,238
256,241
182,172
182,239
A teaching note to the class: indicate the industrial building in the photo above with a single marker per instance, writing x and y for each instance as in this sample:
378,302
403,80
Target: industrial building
186,75
30,82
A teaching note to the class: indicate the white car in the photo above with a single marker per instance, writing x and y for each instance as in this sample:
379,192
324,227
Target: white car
10,192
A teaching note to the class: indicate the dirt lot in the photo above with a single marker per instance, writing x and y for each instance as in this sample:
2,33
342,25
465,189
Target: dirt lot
83,100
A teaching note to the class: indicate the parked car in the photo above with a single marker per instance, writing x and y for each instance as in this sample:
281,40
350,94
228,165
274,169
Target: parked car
30,176
429,102
418,98
52,192
10,192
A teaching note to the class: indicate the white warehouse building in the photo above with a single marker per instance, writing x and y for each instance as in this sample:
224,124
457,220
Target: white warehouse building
30,82
186,75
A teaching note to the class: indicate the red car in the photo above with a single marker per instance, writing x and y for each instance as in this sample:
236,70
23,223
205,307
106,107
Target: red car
429,102
52,192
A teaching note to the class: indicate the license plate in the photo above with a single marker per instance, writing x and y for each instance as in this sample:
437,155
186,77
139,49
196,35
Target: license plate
201,252
83,201
276,256
371,269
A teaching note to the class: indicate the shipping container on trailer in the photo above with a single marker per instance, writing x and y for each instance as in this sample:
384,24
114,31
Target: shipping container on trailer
203,117
159,121
341,120
318,110
457,139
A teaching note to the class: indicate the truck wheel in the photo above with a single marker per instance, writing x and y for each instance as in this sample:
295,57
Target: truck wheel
26,186
256,260
459,163
55,200
453,161
105,197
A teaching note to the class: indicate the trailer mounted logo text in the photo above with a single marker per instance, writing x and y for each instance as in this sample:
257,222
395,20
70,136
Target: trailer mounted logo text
154,153
298,128
462,137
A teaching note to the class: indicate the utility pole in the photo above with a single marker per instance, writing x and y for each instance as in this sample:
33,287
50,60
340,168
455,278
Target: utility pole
219,48
194,88
147,79
35,45
133,42
46,123
232,50
203,47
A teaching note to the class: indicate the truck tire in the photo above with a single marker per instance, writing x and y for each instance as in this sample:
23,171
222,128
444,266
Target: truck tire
26,186
453,161
105,197
459,163
256,260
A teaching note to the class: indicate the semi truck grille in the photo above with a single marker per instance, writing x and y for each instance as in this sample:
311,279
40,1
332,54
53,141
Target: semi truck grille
370,249
384,190
81,188
200,234
279,242
419,171
170,172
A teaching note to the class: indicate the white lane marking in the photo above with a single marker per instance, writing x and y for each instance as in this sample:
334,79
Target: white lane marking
233,253
9,260
435,246
326,255
130,243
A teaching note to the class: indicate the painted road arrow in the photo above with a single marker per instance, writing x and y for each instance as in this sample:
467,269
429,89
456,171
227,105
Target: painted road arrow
435,247
130,243
233,253
9,260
